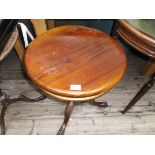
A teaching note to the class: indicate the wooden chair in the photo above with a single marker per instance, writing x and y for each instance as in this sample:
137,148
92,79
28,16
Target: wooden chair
9,45
40,26
142,38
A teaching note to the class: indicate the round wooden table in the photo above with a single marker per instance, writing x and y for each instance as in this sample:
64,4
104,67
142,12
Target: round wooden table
75,63
140,34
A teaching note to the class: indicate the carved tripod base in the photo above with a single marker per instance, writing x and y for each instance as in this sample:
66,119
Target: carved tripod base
140,94
69,109
5,101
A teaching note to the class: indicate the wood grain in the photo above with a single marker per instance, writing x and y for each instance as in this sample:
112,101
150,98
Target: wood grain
149,68
135,38
19,48
50,24
75,55
9,44
45,117
139,40
39,26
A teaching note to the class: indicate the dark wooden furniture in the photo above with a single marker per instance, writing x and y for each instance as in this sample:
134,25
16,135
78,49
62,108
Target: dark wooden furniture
147,86
6,100
7,43
141,37
75,64
13,40
6,28
39,26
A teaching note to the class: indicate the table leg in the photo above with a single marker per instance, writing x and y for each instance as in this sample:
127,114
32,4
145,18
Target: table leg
149,68
5,101
67,114
2,122
140,94
98,104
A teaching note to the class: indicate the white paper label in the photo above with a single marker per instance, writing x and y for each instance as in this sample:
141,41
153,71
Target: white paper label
26,33
75,87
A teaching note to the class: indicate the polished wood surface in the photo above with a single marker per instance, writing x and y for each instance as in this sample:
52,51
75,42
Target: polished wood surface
39,26
143,42
19,48
139,40
149,68
147,86
42,25
75,55
9,44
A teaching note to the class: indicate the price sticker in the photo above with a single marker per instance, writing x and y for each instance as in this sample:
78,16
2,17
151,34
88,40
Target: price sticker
75,87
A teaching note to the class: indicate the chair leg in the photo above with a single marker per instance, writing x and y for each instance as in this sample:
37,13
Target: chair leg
98,104
140,94
67,114
2,122
5,101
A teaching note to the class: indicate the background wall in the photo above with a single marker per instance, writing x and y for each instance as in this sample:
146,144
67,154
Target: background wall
103,25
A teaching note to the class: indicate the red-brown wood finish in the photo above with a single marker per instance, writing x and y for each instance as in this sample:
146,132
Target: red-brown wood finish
75,55
9,43
136,38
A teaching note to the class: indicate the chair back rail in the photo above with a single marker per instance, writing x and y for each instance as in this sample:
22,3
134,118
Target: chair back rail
40,26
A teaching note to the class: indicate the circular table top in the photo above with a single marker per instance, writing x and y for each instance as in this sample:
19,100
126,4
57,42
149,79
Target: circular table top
75,61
